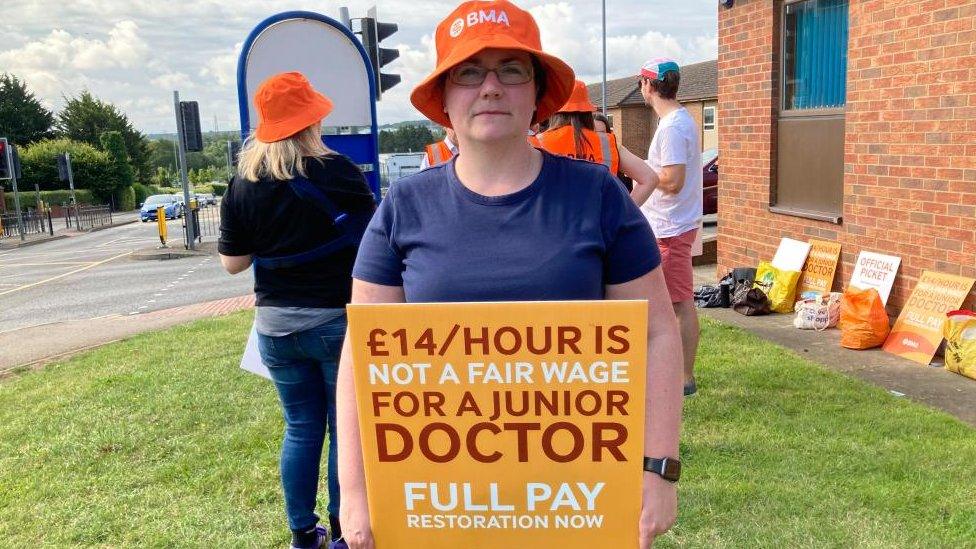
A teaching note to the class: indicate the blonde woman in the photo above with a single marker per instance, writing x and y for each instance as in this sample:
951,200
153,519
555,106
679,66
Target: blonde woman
296,211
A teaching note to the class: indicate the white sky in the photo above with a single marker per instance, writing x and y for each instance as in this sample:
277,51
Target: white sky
134,53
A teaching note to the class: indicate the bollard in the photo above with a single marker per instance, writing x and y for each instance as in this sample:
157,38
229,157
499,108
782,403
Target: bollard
161,224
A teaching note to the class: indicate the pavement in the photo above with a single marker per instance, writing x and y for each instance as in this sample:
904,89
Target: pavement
33,347
62,231
931,385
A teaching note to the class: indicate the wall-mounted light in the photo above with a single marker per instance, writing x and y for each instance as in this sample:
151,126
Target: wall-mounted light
726,3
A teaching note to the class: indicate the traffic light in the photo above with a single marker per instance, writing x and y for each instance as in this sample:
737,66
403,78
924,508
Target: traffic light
62,167
374,32
4,167
192,136
9,160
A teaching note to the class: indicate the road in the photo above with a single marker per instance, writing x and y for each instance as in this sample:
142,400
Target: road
92,275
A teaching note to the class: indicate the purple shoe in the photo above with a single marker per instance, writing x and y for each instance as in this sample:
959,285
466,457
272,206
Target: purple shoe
338,544
321,539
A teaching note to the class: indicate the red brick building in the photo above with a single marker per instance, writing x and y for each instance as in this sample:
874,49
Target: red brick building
854,121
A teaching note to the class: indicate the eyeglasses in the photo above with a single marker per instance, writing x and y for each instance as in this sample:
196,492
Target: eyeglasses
510,74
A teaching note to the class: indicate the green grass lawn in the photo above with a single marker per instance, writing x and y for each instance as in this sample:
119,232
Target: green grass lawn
178,448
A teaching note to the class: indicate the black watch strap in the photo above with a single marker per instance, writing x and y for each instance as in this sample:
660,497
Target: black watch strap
667,468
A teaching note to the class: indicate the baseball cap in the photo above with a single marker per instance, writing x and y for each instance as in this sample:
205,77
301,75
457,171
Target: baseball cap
656,68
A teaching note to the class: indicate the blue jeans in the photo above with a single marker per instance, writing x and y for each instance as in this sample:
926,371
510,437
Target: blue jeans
304,366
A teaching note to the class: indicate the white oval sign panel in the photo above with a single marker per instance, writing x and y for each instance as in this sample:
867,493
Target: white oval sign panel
325,55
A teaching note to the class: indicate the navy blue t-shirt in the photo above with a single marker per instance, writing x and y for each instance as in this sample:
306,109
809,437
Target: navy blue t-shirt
565,236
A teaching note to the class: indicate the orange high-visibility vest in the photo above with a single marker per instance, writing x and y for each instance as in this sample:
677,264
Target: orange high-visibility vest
438,153
602,150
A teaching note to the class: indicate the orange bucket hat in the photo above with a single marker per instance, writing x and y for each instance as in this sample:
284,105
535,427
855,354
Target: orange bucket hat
579,101
479,25
287,104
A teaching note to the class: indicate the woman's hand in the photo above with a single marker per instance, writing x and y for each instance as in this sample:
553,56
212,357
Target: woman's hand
354,518
659,508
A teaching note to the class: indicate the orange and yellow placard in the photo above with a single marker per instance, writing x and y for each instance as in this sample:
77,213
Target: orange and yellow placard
502,424
819,269
918,331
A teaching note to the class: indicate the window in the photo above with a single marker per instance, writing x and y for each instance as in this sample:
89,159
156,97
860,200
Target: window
813,92
708,118
815,54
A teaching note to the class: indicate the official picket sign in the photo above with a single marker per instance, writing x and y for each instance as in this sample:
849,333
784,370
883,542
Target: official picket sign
502,424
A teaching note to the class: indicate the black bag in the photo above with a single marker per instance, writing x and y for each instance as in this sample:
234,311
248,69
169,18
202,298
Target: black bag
707,297
753,303
742,280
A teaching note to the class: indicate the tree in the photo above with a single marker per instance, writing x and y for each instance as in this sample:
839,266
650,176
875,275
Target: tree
114,145
163,177
90,167
23,120
407,138
85,118
162,154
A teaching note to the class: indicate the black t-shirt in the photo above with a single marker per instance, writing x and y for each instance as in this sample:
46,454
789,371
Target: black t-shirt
266,218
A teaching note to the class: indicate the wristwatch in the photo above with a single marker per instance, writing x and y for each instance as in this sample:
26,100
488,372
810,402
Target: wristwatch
667,468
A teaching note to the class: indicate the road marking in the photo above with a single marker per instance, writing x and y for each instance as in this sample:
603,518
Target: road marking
53,278
7,265
110,241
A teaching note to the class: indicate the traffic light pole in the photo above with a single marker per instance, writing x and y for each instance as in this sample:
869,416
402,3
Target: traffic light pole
13,179
71,186
191,236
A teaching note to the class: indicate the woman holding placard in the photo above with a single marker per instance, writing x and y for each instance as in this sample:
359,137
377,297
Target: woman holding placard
507,222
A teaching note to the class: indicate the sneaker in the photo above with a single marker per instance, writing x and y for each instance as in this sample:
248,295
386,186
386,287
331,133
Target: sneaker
691,388
338,544
321,540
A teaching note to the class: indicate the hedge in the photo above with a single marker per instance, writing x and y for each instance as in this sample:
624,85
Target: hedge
90,167
29,199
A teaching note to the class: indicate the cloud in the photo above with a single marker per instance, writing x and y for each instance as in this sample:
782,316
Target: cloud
578,41
223,68
172,81
123,48
135,52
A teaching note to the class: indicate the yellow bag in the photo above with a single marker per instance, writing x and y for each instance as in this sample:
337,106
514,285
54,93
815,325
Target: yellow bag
959,330
779,286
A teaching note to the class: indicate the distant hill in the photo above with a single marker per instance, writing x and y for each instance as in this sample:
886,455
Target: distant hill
230,134
396,125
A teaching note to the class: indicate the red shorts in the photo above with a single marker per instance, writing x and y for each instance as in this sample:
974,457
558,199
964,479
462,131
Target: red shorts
676,265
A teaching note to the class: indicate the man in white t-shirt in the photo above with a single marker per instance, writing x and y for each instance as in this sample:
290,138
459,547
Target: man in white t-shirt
674,209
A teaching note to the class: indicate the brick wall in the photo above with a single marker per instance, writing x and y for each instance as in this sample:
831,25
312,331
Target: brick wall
694,108
910,139
634,127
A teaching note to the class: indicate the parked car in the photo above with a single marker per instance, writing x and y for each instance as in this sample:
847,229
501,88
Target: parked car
171,207
181,202
709,181
205,199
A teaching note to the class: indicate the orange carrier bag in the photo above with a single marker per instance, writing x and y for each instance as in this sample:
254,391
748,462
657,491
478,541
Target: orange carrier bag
863,320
